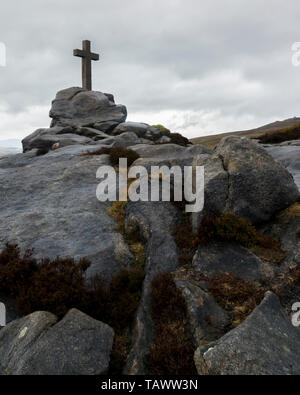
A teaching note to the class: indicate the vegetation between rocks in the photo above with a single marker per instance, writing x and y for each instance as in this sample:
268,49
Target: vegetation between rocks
115,153
60,284
176,138
235,295
227,228
172,349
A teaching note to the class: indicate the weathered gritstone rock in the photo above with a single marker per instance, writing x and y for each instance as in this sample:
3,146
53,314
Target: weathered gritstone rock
38,345
154,222
46,138
49,203
266,343
219,258
207,319
79,107
258,186
17,338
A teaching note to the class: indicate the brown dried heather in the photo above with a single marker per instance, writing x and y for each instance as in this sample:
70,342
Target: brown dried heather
173,355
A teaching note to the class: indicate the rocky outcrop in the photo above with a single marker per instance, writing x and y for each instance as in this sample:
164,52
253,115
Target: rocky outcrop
266,343
85,117
219,258
48,202
39,345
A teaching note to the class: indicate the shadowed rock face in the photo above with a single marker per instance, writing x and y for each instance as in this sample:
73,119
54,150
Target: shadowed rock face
266,343
38,345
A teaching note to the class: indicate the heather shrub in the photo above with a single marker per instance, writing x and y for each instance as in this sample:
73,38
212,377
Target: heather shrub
16,271
57,286
124,295
228,227
60,284
177,138
235,295
225,228
183,235
172,349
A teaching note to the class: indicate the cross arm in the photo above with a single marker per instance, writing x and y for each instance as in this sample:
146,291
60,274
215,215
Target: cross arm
83,54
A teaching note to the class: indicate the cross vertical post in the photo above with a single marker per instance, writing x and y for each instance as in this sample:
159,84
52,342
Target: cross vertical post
86,59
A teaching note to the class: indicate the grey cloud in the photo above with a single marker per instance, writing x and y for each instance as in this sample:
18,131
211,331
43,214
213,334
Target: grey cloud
156,55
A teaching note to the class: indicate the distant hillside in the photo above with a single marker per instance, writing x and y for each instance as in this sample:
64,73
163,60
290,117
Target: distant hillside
212,141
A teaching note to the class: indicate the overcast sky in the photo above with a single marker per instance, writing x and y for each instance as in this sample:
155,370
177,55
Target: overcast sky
198,67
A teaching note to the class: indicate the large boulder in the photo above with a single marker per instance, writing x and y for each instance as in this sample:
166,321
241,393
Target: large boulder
258,186
79,107
266,343
38,345
54,209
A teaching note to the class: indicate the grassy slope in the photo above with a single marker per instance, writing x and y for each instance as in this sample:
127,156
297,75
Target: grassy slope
212,141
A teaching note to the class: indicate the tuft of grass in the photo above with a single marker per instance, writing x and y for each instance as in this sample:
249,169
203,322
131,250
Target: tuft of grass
163,129
117,211
287,134
115,153
172,349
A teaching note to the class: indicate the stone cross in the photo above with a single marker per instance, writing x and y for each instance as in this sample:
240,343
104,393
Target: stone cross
2,315
87,57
